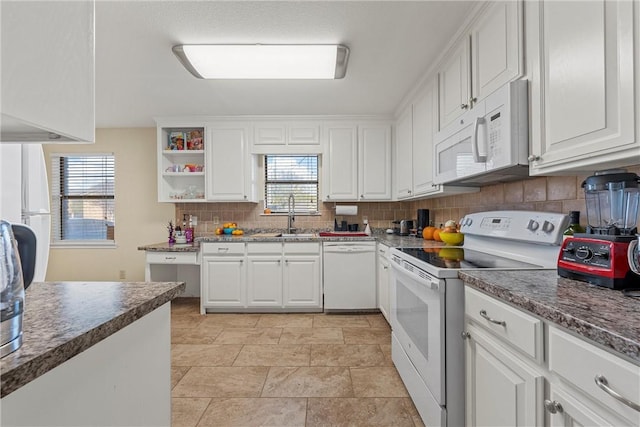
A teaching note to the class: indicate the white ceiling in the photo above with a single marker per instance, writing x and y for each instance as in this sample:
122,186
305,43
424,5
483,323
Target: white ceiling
392,43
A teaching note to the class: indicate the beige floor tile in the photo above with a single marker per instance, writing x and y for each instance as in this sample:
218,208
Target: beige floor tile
358,412
366,336
308,382
186,320
243,412
249,336
177,372
340,321
411,408
194,335
386,350
311,336
347,355
186,411
285,320
204,354
274,355
378,321
185,305
231,320
377,382
221,382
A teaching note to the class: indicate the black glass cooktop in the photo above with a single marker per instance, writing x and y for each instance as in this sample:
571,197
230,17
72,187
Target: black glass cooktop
457,257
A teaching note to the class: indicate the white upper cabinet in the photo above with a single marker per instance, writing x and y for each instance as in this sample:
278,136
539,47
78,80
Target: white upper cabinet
404,155
286,137
357,162
48,71
484,59
581,64
425,116
374,146
230,174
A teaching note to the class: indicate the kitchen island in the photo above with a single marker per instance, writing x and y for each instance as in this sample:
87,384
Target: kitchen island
93,353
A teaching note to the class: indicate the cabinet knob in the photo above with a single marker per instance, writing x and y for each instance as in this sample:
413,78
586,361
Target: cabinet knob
552,406
533,158
465,335
328,197
464,106
472,100
362,196
245,197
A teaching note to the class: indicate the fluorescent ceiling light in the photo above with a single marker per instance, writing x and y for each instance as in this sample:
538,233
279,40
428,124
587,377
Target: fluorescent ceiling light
264,61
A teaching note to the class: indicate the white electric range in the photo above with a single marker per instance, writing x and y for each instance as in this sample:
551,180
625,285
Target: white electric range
427,301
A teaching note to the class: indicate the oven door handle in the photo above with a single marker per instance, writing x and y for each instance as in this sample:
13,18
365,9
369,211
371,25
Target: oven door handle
433,284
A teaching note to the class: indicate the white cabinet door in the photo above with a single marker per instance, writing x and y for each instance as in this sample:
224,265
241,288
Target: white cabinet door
301,283
581,60
224,282
567,411
303,133
425,113
341,166
264,281
404,155
48,71
227,163
501,390
496,47
269,133
454,82
374,142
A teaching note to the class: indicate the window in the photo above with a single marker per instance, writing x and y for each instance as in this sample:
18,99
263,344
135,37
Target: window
285,175
82,198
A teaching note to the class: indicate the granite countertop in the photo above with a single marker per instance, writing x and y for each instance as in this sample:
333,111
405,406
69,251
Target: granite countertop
599,314
62,319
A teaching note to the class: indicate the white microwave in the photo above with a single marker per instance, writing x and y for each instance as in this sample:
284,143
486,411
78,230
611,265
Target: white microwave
489,143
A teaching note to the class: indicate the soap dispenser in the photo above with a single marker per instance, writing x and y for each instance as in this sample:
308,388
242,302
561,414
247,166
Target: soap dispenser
367,229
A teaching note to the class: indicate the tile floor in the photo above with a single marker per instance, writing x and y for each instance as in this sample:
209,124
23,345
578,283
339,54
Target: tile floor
284,370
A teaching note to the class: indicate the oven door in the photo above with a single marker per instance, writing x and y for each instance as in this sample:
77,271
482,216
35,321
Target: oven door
418,322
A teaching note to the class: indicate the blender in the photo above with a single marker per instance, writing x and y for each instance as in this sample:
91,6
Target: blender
599,256
12,292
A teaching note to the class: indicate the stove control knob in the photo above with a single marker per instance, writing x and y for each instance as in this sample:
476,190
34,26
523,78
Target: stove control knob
468,222
533,225
547,227
584,253
603,255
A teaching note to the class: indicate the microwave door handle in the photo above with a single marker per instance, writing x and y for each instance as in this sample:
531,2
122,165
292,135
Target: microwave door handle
474,141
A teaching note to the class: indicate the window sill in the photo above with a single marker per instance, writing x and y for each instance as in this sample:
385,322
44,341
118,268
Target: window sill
295,214
89,244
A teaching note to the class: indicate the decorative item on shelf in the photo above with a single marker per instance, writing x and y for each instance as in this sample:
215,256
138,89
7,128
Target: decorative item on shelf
194,140
176,141
192,167
171,230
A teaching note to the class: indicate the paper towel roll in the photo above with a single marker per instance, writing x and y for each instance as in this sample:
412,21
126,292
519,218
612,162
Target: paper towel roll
346,210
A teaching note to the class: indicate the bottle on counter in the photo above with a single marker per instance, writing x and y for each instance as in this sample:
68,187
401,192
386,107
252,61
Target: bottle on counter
574,225
188,231
367,229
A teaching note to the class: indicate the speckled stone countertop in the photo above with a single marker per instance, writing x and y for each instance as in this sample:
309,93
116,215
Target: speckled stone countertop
391,240
602,315
62,319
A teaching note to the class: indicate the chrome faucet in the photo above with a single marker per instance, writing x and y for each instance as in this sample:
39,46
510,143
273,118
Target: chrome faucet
291,211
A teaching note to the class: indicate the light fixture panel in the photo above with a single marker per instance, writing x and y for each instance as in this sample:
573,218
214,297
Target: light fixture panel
264,61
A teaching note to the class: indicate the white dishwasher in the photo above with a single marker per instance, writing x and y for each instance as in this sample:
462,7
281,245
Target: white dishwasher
349,275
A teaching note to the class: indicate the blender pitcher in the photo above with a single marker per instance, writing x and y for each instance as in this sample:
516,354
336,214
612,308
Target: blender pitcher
12,292
612,198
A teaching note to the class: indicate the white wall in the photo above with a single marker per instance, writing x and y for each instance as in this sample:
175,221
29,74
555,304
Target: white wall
140,219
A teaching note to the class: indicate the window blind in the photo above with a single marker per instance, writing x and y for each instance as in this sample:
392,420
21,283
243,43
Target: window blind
82,197
297,175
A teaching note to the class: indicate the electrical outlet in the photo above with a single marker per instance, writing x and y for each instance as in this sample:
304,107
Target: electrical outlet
216,220
365,220
123,274
194,220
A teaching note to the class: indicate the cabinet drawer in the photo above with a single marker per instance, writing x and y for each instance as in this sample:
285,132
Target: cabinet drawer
580,362
520,330
223,248
172,258
383,250
302,248
254,248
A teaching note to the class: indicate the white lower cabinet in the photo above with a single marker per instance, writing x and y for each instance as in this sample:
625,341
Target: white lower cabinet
384,276
508,382
273,276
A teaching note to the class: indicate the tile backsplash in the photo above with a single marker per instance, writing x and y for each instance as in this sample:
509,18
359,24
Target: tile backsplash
555,194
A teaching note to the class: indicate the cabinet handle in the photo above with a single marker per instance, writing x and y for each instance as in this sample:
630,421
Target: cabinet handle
552,406
241,261
465,335
464,106
602,382
169,257
483,313
533,158
245,197
223,249
279,262
384,267
362,196
328,196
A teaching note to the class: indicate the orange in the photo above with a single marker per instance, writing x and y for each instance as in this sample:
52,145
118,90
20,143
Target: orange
267,211
427,232
436,235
